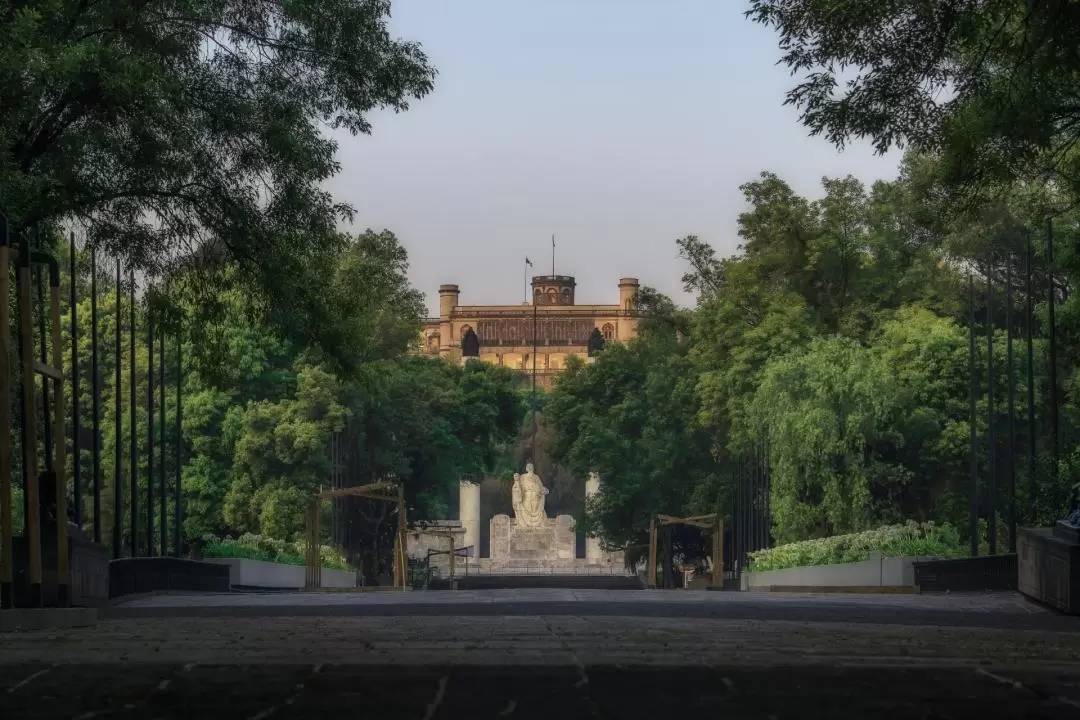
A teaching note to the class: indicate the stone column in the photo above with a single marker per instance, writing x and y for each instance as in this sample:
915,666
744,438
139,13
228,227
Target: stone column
593,553
469,515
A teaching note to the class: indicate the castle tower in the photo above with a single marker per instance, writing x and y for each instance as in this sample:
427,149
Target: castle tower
553,289
448,300
628,290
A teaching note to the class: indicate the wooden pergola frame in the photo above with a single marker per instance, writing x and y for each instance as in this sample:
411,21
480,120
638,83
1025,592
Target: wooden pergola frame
383,490
712,521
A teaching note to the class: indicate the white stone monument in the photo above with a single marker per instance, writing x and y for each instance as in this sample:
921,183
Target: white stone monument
531,538
469,515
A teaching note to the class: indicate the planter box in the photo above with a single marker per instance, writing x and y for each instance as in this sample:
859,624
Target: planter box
262,574
877,571
128,576
1049,568
977,574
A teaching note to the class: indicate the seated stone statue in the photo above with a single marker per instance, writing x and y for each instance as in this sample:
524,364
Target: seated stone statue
528,495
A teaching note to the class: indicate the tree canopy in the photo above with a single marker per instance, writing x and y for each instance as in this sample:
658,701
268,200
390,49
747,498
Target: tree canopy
831,349
194,133
990,86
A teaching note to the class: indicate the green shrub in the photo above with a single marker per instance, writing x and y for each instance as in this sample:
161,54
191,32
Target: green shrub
257,547
910,539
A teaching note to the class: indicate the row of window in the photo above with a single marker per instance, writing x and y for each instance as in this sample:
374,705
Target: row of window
433,339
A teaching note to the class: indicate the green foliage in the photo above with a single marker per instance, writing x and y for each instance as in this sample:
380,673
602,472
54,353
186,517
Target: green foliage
909,539
256,547
940,75
259,409
170,125
822,408
836,340
631,417
428,423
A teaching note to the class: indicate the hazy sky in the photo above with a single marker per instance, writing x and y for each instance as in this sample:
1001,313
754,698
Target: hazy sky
618,125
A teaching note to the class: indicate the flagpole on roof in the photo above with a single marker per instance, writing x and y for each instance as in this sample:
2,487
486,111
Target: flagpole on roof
553,254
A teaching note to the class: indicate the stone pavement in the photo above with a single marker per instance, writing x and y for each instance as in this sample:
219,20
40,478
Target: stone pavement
563,693
1001,610
649,655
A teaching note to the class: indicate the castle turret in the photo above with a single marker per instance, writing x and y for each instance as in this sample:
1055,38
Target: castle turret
628,290
553,289
448,300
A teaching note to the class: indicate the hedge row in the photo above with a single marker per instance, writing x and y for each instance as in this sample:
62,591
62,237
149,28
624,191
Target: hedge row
257,547
910,539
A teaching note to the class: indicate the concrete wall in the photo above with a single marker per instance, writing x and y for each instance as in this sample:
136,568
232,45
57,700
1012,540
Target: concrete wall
257,573
418,543
878,571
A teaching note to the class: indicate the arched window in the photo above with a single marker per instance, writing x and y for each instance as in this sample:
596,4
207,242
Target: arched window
538,296
470,343
596,342
608,331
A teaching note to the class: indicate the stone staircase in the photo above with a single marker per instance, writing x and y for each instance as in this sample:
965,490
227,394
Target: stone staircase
549,581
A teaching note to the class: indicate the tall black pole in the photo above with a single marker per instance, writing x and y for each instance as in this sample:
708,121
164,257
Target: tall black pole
150,432
162,495
744,512
178,509
133,382
95,399
991,416
1051,328
768,493
755,518
44,357
737,514
1012,402
532,448
76,425
118,453
973,527
1032,440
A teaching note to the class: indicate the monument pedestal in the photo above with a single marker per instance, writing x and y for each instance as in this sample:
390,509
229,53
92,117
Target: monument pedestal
514,545
1049,566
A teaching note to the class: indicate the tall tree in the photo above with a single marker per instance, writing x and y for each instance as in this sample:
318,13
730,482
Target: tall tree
168,126
991,85
631,416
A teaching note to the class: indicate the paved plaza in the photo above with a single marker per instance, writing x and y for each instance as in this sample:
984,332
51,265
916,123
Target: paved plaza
551,653
1002,610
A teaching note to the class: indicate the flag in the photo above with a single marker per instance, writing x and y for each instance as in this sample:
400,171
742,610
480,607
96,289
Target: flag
552,239
528,262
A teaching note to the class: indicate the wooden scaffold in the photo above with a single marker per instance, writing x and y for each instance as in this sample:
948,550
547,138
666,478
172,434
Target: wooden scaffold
712,521
382,490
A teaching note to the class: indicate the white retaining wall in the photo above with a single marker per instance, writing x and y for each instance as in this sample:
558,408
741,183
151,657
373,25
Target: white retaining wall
877,571
258,573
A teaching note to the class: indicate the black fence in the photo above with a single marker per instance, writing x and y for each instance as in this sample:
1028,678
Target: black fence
144,512
750,528
986,572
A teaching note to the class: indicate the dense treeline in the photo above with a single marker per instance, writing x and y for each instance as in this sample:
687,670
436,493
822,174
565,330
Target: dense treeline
200,167
259,409
836,341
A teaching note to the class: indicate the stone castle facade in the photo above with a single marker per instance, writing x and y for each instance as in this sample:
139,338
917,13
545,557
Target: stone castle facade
503,334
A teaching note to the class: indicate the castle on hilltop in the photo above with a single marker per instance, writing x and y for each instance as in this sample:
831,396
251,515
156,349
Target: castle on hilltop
503,334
